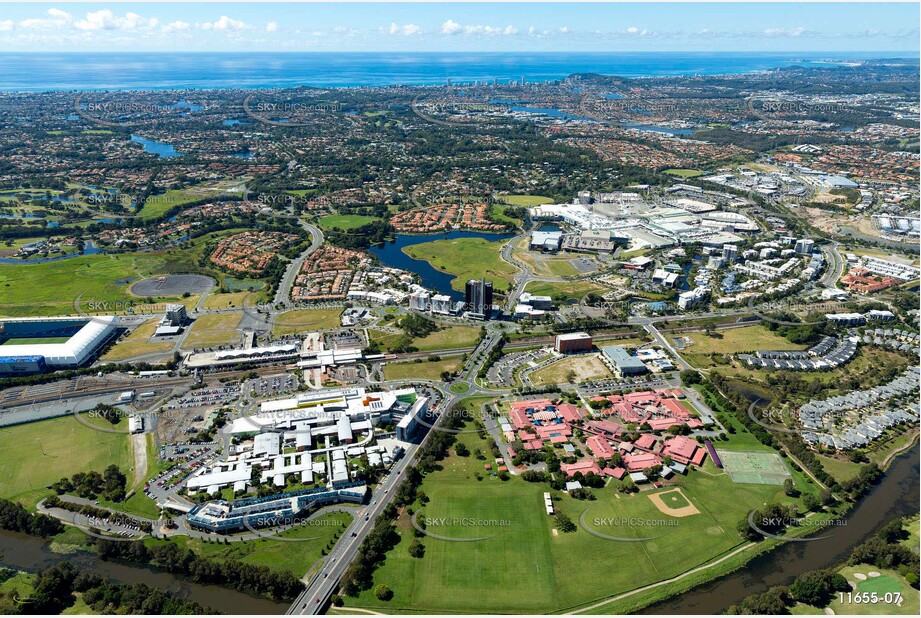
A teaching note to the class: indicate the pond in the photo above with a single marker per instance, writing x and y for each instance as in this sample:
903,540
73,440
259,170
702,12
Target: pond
391,254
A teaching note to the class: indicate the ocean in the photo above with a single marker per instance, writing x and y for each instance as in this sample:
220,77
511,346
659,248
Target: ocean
37,72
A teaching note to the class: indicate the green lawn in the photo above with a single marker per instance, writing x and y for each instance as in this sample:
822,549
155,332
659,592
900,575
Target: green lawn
305,320
426,370
447,338
733,341
526,200
466,258
524,566
297,554
346,222
35,455
213,330
888,582
564,291
52,287
683,173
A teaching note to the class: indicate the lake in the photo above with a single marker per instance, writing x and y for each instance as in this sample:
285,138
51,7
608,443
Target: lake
391,254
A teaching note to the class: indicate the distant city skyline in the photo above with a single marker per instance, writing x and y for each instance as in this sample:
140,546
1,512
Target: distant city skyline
460,27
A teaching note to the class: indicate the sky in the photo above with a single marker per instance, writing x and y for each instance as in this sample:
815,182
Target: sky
462,27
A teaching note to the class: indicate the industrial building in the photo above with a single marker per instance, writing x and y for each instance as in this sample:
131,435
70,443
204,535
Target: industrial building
622,363
80,339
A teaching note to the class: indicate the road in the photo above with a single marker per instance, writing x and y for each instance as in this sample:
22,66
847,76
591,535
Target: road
283,294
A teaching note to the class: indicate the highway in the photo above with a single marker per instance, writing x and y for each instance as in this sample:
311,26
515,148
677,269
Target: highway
315,597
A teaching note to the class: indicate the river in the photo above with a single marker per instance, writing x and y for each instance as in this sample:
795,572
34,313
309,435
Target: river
28,553
896,495
391,254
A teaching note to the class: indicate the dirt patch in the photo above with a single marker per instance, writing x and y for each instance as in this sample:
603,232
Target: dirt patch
664,499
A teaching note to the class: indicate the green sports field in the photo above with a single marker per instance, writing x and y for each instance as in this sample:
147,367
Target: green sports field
754,467
34,455
524,566
346,222
526,200
33,340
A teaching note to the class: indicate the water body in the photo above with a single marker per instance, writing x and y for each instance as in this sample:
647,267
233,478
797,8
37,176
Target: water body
549,111
164,151
658,129
23,71
391,254
896,496
28,553
88,249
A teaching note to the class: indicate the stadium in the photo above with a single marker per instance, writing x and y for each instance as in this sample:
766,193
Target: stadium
34,345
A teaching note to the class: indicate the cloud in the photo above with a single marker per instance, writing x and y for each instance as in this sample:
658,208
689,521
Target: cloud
176,26
272,26
6,25
224,23
57,19
783,32
405,30
107,20
451,27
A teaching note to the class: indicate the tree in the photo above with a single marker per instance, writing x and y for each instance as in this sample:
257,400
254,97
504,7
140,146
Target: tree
383,593
690,377
461,449
416,549
563,523
789,488
811,502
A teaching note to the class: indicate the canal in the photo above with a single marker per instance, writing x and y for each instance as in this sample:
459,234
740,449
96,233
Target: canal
29,553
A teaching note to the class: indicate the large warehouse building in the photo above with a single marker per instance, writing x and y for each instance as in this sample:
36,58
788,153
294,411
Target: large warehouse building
33,345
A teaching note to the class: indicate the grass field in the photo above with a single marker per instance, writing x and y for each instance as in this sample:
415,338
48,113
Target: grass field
136,343
733,341
51,288
34,455
887,582
466,258
446,339
345,222
526,200
426,370
584,366
157,205
525,567
684,173
280,555
98,280
213,330
230,300
33,340
497,213
564,291
305,320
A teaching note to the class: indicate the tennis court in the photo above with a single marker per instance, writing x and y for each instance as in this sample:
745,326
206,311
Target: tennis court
756,467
